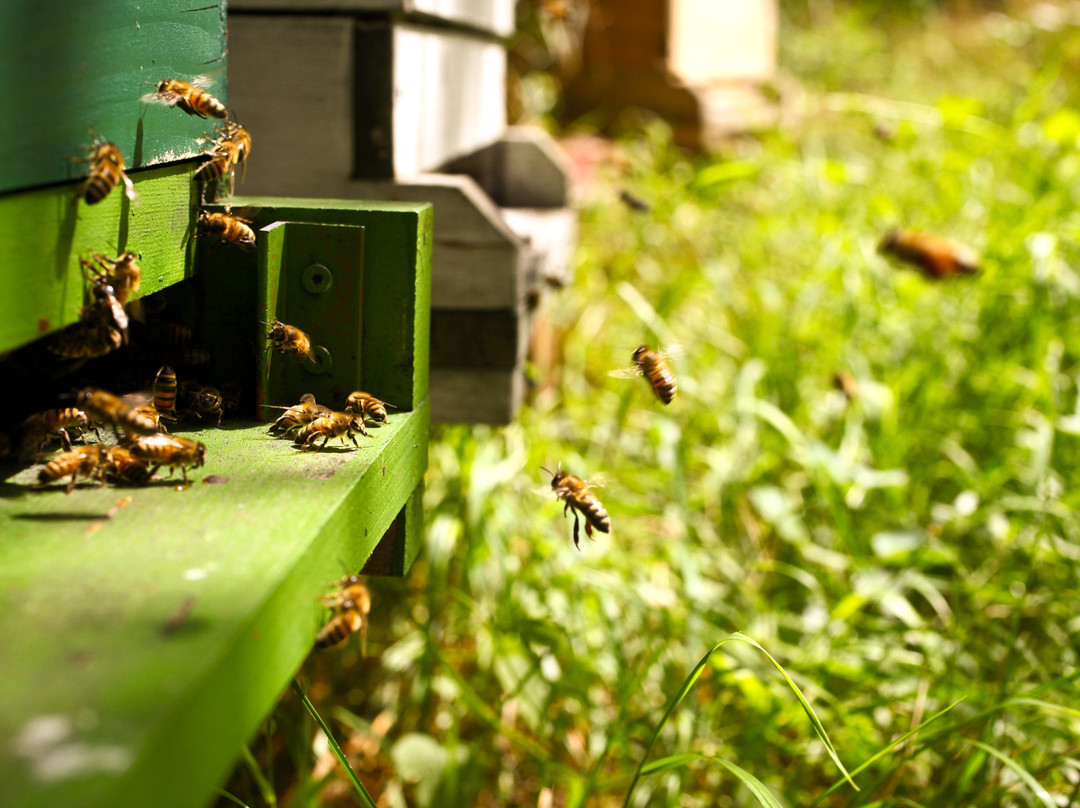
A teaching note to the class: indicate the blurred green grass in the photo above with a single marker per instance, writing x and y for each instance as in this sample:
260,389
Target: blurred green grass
896,553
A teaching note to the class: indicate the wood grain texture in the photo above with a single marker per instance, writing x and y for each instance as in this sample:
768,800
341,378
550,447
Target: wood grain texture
109,704
71,66
45,231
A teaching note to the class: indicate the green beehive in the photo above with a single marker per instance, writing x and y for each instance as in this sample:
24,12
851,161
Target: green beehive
146,631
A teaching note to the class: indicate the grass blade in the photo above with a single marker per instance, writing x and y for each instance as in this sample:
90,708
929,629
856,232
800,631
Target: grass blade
877,756
755,786
365,797
223,793
693,677
1041,794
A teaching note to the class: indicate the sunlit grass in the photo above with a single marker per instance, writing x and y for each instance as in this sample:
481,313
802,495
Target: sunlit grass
908,557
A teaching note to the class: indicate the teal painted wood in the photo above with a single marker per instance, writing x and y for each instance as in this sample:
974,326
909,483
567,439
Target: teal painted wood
106,702
70,66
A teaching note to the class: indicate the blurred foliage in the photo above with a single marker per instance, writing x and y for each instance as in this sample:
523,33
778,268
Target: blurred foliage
895,552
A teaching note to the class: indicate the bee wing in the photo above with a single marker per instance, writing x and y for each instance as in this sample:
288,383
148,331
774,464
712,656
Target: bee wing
626,373
200,82
129,189
140,399
673,352
598,481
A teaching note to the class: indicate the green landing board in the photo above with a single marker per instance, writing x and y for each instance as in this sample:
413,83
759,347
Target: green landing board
112,698
70,65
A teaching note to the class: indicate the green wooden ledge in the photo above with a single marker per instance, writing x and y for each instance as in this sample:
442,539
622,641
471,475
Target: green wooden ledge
111,696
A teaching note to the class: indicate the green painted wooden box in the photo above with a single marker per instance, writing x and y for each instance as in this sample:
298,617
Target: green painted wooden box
146,631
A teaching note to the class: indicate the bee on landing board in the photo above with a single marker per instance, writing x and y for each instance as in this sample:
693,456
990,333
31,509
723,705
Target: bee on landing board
41,426
368,406
121,465
228,228
168,450
653,365
577,497
106,170
336,425
288,339
935,257
188,97
351,604
300,415
85,460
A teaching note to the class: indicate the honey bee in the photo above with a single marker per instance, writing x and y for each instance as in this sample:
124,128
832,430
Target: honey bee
122,466
351,604
367,405
230,148
189,98
303,413
151,412
204,401
106,170
106,309
336,425
120,273
101,328
288,339
230,396
634,202
577,497
85,460
168,450
653,365
39,427
846,384
228,228
107,408
165,392
935,257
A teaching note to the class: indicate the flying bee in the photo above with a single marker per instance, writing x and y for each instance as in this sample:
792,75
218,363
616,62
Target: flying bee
121,273
653,365
189,97
846,384
106,308
85,460
300,415
935,257
121,465
106,170
213,168
351,604
101,328
168,450
336,425
367,405
107,408
228,228
41,426
577,497
238,144
288,339
152,412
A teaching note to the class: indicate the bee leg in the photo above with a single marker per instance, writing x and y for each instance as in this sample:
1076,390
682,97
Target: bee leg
64,439
183,470
71,484
220,415
588,528
353,439
577,534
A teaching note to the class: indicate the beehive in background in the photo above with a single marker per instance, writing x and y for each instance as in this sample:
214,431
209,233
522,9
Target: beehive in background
405,100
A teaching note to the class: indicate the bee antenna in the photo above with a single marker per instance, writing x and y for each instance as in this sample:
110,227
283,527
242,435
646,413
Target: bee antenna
547,470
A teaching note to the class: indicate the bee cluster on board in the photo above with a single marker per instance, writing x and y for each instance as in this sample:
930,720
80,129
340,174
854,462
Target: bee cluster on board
107,392
935,257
